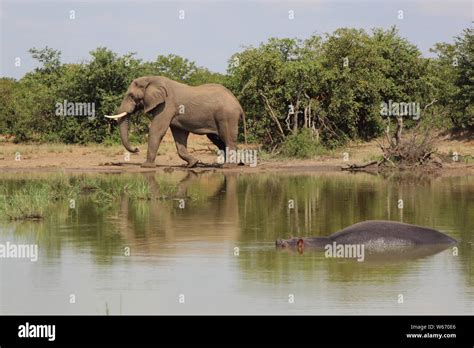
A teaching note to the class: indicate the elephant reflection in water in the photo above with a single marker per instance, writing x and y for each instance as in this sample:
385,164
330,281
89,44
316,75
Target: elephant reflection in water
213,216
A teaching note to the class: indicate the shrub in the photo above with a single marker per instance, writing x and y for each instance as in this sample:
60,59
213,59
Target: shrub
302,145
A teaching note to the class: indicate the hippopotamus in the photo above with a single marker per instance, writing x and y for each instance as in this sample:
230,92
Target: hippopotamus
375,236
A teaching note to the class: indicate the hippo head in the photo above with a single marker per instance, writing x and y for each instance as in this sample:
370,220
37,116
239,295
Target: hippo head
292,243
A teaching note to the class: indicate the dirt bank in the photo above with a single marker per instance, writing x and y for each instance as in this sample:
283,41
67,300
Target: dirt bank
111,159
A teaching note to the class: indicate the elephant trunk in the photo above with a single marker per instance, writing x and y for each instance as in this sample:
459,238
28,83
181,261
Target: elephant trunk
123,127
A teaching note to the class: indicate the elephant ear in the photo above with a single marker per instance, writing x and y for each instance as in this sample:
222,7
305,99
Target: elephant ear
154,96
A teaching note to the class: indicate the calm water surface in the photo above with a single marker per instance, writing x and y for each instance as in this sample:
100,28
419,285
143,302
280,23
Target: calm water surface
190,253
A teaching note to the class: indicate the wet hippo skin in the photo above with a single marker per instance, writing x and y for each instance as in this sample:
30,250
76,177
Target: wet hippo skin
376,235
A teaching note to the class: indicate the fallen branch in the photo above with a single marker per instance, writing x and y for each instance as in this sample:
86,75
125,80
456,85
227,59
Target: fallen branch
360,166
208,149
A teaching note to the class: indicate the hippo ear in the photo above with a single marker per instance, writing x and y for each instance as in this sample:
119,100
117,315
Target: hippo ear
300,245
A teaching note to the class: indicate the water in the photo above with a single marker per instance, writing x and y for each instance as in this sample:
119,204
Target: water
190,254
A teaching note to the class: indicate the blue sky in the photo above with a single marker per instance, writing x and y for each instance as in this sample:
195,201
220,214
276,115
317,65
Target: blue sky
211,30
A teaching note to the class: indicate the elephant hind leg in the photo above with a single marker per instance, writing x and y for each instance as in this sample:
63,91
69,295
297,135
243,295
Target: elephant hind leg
216,141
228,133
181,139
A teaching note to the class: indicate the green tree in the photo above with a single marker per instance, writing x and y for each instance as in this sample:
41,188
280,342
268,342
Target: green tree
453,80
48,57
7,109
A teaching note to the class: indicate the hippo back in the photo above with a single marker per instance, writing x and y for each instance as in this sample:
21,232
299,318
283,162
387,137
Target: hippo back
389,232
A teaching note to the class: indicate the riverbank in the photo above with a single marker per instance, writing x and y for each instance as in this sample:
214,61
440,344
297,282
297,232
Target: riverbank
113,159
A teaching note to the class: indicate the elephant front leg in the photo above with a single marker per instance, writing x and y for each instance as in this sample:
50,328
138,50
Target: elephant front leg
181,139
158,128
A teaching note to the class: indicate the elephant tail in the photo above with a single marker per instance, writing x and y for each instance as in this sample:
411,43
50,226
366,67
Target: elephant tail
245,126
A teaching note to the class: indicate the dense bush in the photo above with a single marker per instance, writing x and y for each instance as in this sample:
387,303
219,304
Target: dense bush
332,85
301,145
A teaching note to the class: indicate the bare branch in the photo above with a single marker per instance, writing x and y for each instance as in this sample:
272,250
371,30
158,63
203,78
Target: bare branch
272,114
429,104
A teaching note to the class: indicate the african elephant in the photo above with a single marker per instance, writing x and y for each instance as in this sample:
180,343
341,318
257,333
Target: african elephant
209,109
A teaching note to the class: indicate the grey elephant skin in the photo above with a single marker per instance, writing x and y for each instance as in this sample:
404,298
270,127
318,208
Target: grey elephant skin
209,109
376,236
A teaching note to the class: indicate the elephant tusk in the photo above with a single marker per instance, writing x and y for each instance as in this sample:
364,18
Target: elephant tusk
117,116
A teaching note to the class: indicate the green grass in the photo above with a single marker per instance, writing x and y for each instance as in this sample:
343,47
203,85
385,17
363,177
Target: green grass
35,197
27,203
